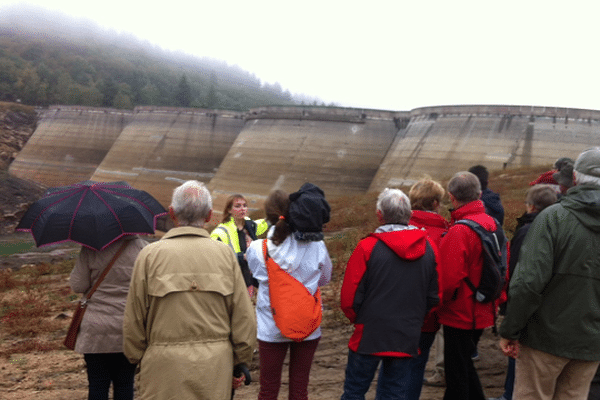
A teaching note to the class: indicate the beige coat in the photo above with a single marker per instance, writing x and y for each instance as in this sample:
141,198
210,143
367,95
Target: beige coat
188,318
101,330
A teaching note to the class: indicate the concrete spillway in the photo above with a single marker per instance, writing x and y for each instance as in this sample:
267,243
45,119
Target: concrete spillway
162,147
439,141
339,150
69,144
344,151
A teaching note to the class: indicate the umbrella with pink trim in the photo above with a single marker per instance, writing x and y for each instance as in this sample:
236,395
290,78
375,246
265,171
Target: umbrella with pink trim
93,214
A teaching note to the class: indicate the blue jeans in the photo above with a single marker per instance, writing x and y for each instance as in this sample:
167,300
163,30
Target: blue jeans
392,383
104,368
417,369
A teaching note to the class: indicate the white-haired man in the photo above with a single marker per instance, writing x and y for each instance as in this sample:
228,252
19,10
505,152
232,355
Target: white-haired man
390,284
188,317
552,322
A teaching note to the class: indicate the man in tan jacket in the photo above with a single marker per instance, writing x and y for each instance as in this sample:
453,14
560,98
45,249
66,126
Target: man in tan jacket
188,318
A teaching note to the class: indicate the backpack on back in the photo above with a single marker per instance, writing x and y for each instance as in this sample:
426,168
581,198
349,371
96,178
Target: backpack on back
493,271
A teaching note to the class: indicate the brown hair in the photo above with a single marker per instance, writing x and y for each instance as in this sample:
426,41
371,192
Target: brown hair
229,204
424,193
540,196
276,209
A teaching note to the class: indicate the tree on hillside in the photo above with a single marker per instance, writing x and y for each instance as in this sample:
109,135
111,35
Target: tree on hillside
122,101
211,98
183,96
109,90
150,95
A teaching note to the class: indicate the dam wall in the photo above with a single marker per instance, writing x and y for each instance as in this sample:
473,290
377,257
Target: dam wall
339,150
343,150
439,141
162,147
69,144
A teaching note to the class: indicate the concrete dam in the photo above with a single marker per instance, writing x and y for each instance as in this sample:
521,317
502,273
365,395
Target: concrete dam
343,150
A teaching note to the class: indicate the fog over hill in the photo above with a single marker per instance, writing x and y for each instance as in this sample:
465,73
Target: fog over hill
47,57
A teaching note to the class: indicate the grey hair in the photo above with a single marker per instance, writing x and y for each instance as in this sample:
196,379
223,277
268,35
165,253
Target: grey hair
465,187
394,206
191,203
581,178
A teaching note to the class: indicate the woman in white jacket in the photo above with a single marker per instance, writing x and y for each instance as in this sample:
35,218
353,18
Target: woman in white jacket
295,243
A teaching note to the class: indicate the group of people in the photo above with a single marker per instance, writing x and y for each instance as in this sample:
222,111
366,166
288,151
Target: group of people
182,307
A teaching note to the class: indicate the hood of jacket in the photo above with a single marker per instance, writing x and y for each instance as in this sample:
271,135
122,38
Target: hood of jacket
408,242
583,201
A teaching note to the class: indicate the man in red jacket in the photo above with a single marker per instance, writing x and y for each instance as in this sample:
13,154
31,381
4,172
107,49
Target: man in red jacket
389,285
462,316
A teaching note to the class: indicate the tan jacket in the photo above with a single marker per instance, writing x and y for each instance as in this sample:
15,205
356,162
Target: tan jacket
101,330
188,318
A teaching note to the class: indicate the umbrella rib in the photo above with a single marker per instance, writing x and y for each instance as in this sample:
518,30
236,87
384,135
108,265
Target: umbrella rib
130,198
95,191
76,211
49,206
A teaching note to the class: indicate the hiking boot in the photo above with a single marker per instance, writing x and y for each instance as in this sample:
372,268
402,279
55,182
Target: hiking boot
436,379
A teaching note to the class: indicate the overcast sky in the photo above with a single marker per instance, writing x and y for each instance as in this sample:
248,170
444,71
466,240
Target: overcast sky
391,55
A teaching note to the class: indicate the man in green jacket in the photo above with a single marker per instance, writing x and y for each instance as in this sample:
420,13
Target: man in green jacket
552,322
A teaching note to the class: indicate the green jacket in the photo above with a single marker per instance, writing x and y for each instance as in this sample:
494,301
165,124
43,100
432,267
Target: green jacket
554,296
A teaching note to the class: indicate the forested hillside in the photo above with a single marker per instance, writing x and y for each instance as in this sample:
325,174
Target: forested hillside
50,58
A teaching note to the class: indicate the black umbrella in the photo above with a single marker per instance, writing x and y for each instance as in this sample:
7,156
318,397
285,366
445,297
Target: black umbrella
94,214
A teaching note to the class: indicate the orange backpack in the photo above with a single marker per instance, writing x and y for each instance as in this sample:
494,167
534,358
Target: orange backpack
296,312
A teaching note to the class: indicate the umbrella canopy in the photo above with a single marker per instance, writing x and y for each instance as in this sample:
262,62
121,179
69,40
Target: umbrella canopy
94,214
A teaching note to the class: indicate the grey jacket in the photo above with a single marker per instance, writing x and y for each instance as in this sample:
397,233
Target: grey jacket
101,330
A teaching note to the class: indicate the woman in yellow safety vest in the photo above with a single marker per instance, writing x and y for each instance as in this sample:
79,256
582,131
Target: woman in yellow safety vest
237,230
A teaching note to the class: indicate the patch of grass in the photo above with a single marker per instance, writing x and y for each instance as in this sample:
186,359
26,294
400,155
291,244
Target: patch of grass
17,107
8,248
29,346
7,280
27,315
512,184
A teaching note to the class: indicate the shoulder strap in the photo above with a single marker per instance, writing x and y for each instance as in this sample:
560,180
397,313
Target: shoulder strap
106,270
265,251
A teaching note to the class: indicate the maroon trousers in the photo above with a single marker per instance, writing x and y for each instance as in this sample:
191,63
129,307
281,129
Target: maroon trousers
271,366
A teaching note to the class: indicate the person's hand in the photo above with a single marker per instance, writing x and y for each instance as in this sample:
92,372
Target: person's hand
237,382
510,347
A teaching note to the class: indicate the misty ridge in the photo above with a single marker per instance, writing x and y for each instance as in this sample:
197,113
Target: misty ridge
48,57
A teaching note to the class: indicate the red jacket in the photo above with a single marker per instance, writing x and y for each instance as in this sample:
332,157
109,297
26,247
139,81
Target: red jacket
547,178
460,257
436,226
389,285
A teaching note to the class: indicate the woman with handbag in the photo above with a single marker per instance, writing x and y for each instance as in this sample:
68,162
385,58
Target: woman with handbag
100,336
294,242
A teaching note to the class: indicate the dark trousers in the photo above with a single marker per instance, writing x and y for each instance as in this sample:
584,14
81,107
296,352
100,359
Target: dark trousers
271,365
595,387
104,368
462,381
509,382
417,369
392,384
